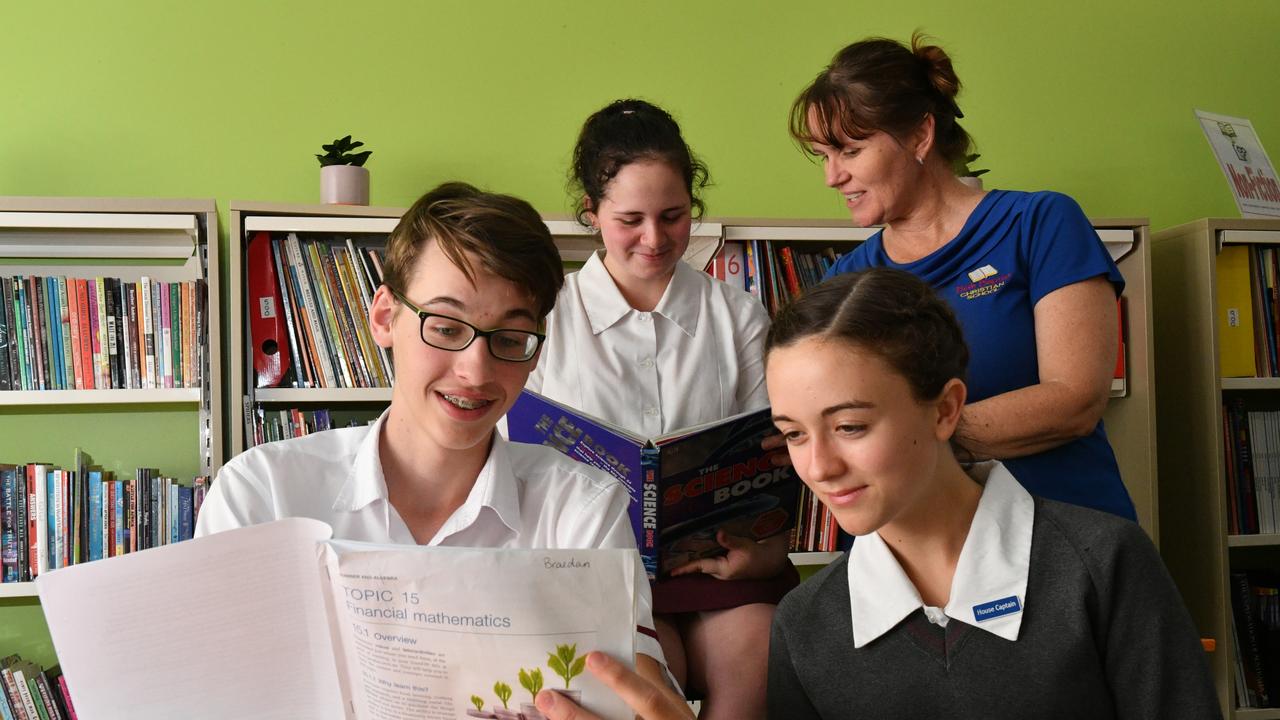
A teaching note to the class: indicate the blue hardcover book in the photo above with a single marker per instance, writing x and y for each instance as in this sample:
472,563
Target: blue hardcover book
185,519
9,522
95,515
685,486
171,494
51,306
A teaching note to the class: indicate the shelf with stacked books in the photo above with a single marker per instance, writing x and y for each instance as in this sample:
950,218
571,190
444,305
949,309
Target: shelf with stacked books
110,341
1219,408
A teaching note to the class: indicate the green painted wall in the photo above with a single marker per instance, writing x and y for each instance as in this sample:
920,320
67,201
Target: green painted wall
230,100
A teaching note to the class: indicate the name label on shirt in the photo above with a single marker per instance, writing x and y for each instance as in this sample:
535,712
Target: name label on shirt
997,608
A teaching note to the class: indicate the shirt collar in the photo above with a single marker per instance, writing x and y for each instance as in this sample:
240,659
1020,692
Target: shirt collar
605,304
496,487
990,584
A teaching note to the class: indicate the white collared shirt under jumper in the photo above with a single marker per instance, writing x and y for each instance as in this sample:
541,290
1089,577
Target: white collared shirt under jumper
1055,611
526,496
697,357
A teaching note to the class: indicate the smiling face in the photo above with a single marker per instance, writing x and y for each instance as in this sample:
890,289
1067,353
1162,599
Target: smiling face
644,220
452,400
878,176
856,434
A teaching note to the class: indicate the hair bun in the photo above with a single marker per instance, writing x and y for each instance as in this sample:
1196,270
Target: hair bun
938,66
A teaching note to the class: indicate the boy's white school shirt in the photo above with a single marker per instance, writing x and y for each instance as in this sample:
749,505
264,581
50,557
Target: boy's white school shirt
526,496
993,567
696,358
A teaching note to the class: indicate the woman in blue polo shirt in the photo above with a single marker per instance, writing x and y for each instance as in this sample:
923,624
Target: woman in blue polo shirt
1025,273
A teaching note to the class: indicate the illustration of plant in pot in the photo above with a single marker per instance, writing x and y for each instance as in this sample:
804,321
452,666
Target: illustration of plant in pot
566,663
479,712
503,691
531,680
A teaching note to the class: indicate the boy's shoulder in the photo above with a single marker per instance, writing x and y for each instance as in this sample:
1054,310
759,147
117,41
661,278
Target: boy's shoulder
313,452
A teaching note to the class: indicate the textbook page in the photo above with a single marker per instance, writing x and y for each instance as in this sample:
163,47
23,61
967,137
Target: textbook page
441,633
227,626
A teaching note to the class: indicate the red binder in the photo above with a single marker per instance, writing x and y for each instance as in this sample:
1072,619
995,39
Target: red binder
266,314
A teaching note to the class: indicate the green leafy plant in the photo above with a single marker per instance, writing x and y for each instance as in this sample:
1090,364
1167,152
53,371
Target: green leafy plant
339,153
962,168
531,680
503,691
478,702
565,663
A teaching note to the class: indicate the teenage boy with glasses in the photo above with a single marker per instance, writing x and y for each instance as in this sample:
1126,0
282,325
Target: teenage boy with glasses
431,470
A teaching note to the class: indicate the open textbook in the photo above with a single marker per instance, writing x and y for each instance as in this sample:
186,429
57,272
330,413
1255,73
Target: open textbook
279,621
685,485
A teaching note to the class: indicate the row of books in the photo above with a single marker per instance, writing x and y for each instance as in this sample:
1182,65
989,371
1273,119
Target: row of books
267,425
1252,442
67,333
320,328
772,271
51,517
1255,625
29,693
816,529
1248,311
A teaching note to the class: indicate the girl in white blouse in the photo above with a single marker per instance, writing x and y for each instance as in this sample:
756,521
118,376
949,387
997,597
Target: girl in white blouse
647,342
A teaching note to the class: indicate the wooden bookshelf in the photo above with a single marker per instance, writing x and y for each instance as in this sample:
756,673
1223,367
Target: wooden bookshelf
1196,546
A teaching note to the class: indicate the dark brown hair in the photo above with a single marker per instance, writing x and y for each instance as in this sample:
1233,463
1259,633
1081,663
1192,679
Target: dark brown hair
623,132
889,313
504,233
880,84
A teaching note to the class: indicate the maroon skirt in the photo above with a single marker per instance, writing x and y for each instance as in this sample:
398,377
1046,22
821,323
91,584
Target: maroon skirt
696,593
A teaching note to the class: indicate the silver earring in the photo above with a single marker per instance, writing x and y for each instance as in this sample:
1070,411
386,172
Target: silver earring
920,160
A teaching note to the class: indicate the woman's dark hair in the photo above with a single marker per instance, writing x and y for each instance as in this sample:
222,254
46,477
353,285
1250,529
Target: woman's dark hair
879,84
623,132
890,313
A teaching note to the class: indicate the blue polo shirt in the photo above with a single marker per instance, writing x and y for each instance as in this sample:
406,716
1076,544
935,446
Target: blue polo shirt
1015,248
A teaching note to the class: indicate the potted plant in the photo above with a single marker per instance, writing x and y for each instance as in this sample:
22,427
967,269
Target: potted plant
503,691
566,664
479,711
531,680
967,175
344,180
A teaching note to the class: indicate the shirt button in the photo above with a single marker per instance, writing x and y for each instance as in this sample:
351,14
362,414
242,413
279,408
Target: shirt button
644,316
646,363
651,411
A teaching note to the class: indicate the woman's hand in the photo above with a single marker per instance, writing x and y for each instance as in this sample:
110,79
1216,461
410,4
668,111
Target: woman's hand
745,560
648,700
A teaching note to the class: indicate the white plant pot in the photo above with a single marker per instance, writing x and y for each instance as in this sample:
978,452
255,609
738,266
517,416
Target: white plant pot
344,185
973,182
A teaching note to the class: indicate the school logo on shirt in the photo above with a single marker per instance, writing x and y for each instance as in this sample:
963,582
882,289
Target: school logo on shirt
997,608
983,281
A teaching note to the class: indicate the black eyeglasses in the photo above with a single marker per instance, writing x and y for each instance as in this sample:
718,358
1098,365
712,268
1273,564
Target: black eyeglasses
454,335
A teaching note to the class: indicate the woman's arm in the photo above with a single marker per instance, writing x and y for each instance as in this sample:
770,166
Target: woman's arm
1076,349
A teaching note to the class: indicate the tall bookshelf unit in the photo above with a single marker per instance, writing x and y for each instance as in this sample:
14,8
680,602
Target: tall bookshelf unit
164,239
1197,545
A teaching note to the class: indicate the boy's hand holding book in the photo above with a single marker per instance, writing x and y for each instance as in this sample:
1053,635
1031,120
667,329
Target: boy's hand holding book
745,559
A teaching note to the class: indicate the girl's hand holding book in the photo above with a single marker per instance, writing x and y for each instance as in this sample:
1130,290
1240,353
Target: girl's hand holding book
648,700
746,559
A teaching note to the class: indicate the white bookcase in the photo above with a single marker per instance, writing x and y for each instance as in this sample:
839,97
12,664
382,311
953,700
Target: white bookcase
168,240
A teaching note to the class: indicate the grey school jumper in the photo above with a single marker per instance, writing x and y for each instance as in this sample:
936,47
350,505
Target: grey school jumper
1105,635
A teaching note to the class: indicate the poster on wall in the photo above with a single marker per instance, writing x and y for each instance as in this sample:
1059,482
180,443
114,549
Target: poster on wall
1249,172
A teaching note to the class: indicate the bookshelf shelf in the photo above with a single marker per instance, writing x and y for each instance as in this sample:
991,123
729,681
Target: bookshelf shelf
1250,383
1269,540
1257,713
814,558
33,398
323,395
1196,502
18,590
